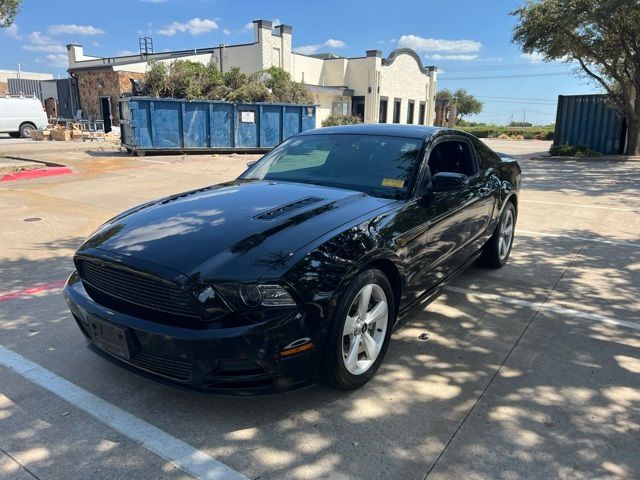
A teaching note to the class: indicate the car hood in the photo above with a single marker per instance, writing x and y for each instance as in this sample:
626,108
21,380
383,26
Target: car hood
230,232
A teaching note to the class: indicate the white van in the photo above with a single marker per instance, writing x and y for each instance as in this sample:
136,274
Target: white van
20,115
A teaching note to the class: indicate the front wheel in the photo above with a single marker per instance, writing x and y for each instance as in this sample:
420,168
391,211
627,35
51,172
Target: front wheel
26,129
359,336
498,248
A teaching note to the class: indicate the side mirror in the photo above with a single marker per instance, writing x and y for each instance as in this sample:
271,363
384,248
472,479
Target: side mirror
444,181
251,163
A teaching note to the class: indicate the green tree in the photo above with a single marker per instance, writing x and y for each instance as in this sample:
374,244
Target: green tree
8,11
601,36
466,104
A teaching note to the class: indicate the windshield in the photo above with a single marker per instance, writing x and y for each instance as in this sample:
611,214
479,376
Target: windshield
376,165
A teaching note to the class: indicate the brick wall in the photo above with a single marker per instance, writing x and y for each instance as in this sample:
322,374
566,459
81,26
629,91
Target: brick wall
94,84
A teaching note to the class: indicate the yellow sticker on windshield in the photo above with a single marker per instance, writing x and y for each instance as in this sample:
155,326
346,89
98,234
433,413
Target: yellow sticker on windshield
392,182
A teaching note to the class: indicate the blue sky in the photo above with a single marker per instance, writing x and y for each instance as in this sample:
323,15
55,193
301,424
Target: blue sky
468,40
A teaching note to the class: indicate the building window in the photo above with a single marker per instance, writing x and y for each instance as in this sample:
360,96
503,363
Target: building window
397,104
340,108
384,103
411,111
421,113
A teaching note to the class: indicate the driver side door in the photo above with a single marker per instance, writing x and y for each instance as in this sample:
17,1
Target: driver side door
433,227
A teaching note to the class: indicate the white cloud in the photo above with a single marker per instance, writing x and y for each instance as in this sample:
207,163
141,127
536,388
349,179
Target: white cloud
226,31
427,45
13,31
125,53
333,43
381,42
42,43
458,58
311,49
248,26
195,26
307,49
73,29
95,44
58,60
534,57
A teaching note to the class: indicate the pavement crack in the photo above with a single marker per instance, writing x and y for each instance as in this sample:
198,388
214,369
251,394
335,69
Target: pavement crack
19,464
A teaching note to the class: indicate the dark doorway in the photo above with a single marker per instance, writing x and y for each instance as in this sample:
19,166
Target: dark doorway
384,104
411,111
357,107
105,111
396,110
421,113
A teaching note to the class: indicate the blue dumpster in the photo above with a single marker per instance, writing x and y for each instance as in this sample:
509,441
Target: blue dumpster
175,125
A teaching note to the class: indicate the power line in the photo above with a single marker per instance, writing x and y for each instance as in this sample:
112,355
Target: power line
520,102
518,98
493,77
479,67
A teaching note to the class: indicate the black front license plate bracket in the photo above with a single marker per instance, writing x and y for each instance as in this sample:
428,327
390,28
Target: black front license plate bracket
110,337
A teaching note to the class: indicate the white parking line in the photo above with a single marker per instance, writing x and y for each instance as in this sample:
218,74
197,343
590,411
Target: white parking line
155,161
581,205
544,307
189,459
582,239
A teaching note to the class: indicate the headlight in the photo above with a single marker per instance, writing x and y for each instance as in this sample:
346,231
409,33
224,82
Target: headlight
240,296
265,295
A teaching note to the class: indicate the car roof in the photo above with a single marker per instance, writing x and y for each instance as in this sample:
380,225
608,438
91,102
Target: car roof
386,129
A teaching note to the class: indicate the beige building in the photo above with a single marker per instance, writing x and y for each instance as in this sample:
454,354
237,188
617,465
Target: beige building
396,89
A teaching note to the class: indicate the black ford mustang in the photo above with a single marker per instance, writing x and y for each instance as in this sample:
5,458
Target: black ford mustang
300,268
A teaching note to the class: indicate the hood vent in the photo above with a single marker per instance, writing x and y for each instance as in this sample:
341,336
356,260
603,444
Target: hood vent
288,208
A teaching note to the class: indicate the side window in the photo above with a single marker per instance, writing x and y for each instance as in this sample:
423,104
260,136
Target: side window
453,156
487,156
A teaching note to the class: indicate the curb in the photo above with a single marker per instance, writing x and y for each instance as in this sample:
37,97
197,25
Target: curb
31,174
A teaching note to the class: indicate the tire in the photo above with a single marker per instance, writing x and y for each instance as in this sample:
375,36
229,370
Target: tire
351,360
498,248
26,129
14,134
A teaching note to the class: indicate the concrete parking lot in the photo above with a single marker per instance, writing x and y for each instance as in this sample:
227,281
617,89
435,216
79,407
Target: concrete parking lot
531,371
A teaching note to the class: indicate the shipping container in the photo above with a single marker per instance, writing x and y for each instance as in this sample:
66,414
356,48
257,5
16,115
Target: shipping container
589,120
170,125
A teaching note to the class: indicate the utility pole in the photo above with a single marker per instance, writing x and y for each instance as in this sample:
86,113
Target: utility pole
19,69
524,117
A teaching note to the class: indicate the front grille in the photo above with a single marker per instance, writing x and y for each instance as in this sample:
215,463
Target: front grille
169,367
131,292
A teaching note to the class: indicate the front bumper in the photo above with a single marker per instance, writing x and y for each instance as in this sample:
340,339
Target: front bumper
240,360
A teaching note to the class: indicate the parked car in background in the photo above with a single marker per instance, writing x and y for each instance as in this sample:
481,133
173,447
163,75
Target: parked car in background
300,268
20,115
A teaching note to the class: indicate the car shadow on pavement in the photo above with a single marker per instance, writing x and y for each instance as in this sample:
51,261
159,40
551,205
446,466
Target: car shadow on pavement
564,403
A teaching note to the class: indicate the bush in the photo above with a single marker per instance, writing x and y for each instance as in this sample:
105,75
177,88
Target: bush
336,119
194,80
572,151
495,131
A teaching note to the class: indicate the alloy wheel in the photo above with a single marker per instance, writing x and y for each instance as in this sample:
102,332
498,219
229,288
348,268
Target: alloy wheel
506,234
364,329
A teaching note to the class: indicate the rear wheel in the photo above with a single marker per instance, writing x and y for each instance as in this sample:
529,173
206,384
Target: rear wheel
497,250
26,129
14,134
359,336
